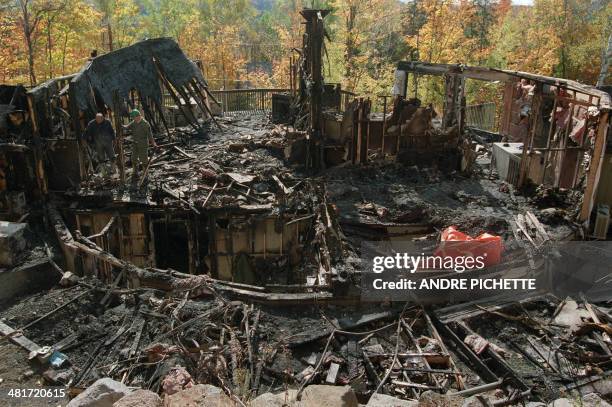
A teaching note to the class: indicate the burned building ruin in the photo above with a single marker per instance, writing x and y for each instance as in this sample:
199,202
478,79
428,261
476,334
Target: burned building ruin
234,258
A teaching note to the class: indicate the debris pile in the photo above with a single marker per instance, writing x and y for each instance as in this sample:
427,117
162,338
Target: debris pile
538,347
230,268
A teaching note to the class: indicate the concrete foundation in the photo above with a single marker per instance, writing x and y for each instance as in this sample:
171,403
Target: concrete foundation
12,242
27,278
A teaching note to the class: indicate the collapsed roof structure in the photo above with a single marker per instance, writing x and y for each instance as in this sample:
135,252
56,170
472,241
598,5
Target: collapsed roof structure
138,67
234,259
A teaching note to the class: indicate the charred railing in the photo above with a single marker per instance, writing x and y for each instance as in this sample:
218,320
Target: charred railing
481,116
238,101
253,101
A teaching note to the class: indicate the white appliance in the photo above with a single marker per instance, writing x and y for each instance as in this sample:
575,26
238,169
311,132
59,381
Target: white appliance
507,158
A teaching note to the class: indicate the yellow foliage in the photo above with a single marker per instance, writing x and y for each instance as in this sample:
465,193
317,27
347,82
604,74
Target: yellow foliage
442,38
125,21
241,46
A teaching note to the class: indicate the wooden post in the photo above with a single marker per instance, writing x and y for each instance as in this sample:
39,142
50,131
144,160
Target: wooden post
581,152
291,74
364,134
203,85
161,116
84,161
553,123
382,137
148,113
119,133
563,144
177,100
366,147
357,150
536,108
454,83
595,168
312,53
202,102
33,115
508,102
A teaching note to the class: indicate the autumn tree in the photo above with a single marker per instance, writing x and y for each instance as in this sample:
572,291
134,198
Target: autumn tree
74,34
250,42
31,14
8,42
122,21
479,27
214,32
366,44
167,18
107,8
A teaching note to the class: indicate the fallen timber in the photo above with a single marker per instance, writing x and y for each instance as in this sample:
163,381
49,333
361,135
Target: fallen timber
429,349
175,281
224,332
171,280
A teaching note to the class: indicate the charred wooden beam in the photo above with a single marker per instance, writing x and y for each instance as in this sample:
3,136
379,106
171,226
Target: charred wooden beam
19,339
470,357
191,117
595,167
119,130
203,102
496,359
311,82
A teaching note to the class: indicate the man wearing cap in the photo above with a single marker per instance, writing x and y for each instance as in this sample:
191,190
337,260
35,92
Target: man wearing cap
141,138
100,134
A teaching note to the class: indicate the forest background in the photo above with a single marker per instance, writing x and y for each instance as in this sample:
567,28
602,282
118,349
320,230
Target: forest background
248,43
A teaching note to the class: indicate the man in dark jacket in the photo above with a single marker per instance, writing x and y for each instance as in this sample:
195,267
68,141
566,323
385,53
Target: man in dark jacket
101,135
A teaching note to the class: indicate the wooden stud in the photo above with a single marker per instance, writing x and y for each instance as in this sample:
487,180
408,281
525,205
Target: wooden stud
553,124
595,167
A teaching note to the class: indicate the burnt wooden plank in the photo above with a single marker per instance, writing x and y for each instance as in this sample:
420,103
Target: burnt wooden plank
18,338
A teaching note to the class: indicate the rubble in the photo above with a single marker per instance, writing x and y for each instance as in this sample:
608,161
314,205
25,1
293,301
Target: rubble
68,279
478,401
593,399
384,400
176,380
433,399
328,396
274,400
272,355
139,398
562,402
104,392
229,271
199,395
